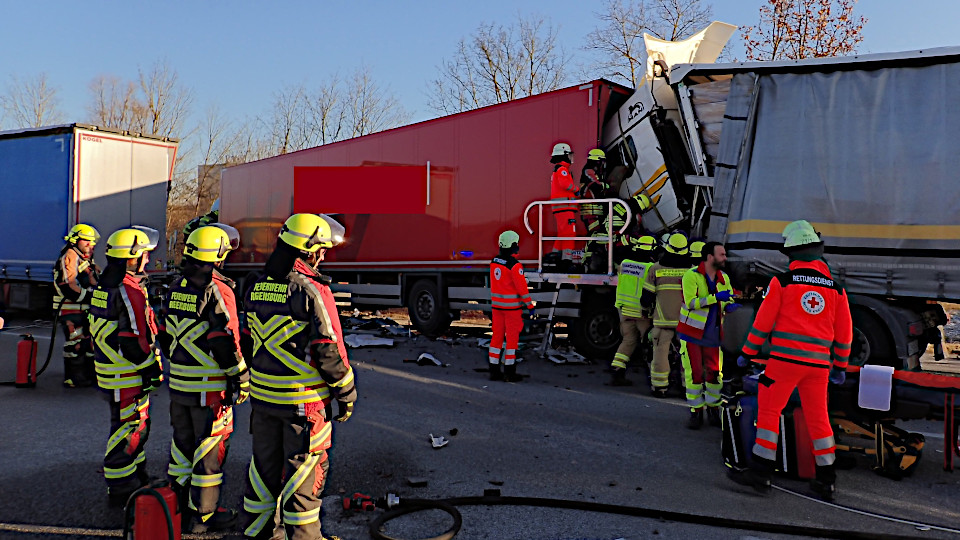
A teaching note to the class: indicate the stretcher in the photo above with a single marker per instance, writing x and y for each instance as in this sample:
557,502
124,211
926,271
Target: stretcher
917,395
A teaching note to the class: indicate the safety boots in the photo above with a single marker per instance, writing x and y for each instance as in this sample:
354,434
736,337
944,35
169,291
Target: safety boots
713,416
495,373
658,392
824,484
220,520
510,373
620,377
757,475
696,418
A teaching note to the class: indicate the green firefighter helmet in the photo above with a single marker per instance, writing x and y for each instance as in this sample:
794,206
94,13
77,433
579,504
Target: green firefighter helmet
800,233
82,231
677,244
508,239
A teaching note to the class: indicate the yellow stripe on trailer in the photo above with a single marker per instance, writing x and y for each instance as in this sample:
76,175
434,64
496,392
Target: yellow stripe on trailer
849,230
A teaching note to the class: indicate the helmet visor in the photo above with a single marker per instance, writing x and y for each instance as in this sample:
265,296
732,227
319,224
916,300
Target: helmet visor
153,239
337,232
232,233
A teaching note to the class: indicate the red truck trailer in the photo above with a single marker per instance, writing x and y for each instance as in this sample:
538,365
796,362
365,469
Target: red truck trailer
423,204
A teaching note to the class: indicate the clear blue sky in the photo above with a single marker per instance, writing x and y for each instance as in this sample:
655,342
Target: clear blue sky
236,54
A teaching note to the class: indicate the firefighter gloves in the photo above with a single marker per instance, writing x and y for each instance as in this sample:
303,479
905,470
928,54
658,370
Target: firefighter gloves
346,411
238,388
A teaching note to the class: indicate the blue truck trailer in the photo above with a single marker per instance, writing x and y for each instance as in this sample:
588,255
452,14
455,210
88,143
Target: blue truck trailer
57,176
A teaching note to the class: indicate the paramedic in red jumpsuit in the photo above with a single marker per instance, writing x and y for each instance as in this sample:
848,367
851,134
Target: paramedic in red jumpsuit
509,295
563,188
806,317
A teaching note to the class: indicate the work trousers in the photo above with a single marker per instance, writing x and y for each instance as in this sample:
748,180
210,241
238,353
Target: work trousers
776,385
201,438
507,324
77,348
633,330
124,463
566,228
288,469
660,365
701,368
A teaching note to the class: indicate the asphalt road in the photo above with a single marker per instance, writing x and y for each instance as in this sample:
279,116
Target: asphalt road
562,433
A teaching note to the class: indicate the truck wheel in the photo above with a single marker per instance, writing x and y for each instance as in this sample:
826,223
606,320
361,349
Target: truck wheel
871,342
596,333
427,314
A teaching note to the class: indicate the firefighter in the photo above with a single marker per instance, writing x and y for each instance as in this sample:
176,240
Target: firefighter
594,186
563,188
664,278
508,296
127,359
707,295
806,316
200,335
298,366
634,318
74,277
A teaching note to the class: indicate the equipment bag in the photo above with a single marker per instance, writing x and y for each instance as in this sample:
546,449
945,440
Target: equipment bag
738,420
795,447
896,452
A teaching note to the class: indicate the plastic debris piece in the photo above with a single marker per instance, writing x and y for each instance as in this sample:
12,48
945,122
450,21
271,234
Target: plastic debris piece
438,442
565,357
427,359
483,343
365,340
417,481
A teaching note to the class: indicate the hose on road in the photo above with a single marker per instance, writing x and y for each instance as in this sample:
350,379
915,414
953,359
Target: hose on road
493,498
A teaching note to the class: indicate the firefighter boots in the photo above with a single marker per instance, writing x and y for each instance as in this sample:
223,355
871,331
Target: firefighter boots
620,377
220,520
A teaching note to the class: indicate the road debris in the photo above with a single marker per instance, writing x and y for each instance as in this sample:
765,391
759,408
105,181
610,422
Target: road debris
565,356
438,442
355,341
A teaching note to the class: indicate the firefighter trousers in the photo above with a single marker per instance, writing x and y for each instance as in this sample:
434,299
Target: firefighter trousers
77,349
566,228
288,469
124,463
660,366
701,374
776,385
633,330
201,439
507,325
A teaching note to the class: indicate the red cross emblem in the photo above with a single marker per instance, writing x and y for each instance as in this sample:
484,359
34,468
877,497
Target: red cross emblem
812,302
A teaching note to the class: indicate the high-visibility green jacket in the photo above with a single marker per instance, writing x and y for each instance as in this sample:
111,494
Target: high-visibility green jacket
697,300
632,286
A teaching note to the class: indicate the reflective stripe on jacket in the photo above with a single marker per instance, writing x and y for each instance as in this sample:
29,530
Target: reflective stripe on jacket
562,188
697,300
118,313
806,316
299,359
508,286
632,286
73,277
666,282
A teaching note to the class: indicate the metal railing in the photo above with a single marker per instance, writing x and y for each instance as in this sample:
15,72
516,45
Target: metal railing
609,239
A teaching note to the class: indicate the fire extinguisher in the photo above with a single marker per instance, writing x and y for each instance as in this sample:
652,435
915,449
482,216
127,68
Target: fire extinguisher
26,362
152,513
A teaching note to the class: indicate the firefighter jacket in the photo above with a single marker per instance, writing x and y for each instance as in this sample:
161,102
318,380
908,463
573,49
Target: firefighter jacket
592,187
74,276
299,361
698,301
665,279
631,289
200,334
562,188
124,331
508,286
806,316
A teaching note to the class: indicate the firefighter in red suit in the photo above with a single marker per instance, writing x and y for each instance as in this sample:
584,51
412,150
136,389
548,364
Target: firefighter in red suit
806,317
298,367
508,297
563,188
126,358
200,335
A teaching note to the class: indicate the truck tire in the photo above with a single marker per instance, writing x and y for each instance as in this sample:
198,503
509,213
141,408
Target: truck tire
596,333
871,341
428,314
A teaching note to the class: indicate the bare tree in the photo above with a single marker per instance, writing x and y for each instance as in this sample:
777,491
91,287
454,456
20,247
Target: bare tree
165,102
287,120
500,63
618,40
371,108
795,29
113,103
326,111
31,102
